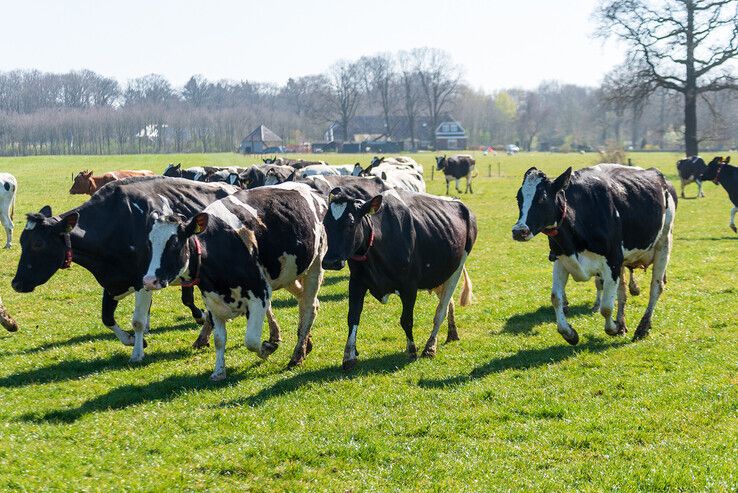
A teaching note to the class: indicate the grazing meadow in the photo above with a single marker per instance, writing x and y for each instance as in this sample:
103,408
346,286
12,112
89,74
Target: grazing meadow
511,406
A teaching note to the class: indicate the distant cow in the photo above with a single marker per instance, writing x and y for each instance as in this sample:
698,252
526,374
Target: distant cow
108,236
328,170
401,161
85,183
257,175
600,220
238,251
295,163
400,242
720,172
455,168
400,177
8,188
690,170
195,173
358,187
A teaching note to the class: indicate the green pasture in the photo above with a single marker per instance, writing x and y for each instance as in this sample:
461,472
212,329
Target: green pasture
510,407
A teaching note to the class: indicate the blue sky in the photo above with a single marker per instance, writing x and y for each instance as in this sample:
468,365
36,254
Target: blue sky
499,43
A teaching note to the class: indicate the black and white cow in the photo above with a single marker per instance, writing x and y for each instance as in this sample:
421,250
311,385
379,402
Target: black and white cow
108,236
260,175
455,168
196,173
400,242
600,220
358,187
8,188
239,250
720,172
690,170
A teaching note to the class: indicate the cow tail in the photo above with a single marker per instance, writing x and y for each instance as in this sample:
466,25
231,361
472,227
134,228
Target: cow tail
475,173
466,289
12,203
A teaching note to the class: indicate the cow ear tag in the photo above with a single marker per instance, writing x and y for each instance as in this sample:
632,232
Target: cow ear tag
71,222
201,223
376,203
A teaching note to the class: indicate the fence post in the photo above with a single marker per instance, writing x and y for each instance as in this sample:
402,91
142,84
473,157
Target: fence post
433,172
499,171
489,170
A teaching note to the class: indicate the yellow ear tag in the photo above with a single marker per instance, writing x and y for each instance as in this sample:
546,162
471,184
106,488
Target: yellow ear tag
200,224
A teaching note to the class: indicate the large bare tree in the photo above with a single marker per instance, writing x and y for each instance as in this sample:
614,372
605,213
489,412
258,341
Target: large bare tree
439,78
344,93
680,45
381,81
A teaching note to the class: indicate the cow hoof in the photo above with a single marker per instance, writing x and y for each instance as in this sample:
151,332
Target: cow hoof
218,376
349,364
200,343
308,346
617,330
634,291
735,230
429,352
293,363
642,331
570,336
136,359
267,348
7,245
452,336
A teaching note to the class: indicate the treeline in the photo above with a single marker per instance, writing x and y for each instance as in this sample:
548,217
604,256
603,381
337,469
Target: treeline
87,113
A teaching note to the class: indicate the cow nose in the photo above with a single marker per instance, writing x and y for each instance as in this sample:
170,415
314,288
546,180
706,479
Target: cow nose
151,283
19,287
333,264
520,233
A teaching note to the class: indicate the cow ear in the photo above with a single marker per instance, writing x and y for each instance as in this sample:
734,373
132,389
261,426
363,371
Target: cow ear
562,182
68,222
45,211
333,194
197,224
371,207
727,160
530,170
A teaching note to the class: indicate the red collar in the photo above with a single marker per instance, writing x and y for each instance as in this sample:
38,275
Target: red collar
717,174
363,257
195,281
555,230
68,255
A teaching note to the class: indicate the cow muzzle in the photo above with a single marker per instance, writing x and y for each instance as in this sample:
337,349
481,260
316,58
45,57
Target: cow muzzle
21,287
337,264
152,283
521,232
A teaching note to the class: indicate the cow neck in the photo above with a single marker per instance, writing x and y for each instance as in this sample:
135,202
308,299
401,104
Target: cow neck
564,241
194,264
554,230
716,180
366,244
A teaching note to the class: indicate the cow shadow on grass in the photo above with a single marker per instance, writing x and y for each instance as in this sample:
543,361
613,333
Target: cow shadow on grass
173,387
526,359
523,323
105,335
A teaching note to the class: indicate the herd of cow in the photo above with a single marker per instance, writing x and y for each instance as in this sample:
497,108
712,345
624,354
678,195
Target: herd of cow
240,234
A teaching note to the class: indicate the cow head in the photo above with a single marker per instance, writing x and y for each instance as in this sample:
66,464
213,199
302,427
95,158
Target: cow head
272,177
376,161
537,203
440,162
341,223
170,253
43,248
83,184
173,170
712,172
357,170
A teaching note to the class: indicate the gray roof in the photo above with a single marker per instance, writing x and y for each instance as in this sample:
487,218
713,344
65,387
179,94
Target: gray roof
262,134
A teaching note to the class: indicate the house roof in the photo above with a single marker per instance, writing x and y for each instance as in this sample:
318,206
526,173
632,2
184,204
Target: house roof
262,134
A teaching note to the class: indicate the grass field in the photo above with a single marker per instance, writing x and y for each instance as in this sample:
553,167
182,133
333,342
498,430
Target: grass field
509,407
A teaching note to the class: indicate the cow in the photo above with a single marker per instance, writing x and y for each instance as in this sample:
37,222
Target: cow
690,170
295,163
214,174
8,189
401,161
6,320
108,236
600,220
401,177
256,175
358,187
400,242
239,250
455,168
722,173
195,173
328,170
85,183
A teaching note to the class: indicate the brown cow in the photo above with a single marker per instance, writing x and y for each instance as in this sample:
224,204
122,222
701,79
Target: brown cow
84,182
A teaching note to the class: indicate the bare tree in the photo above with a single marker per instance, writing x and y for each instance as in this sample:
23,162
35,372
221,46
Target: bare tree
439,78
382,85
410,83
681,45
344,93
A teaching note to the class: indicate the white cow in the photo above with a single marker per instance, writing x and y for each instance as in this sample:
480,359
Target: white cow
328,170
400,161
8,187
402,177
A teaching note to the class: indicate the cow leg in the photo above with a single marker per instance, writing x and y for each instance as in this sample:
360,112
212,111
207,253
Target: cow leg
609,291
109,304
661,259
682,183
275,335
188,300
453,334
598,296
357,292
447,183
140,315
732,219
408,298
633,287
622,298
458,190
699,188
257,309
558,293
308,306
8,225
203,338
448,290
469,184
219,337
